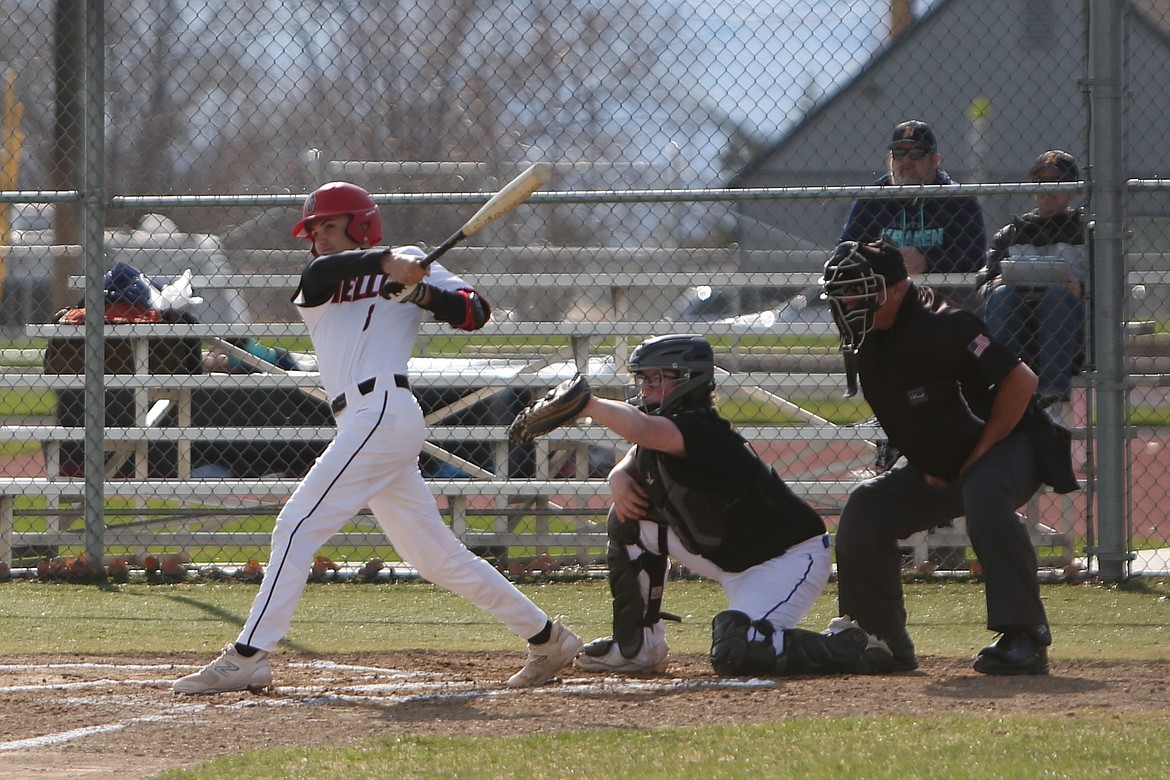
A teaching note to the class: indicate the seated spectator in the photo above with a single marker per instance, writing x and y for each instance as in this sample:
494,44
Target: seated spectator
218,361
934,235
1034,302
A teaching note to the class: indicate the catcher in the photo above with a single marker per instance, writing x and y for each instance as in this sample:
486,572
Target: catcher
690,488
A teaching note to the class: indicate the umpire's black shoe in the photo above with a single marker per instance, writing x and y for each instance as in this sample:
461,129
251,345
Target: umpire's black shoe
1016,652
905,663
902,649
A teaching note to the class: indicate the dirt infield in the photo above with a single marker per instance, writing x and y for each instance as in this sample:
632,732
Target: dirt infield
71,717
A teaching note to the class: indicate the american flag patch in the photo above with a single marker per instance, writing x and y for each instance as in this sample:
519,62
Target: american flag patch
978,344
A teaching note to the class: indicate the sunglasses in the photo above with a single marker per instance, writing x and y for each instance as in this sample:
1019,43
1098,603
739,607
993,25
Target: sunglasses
913,154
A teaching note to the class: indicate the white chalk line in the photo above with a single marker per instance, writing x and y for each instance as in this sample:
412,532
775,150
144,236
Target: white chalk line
86,665
59,737
411,687
46,740
73,686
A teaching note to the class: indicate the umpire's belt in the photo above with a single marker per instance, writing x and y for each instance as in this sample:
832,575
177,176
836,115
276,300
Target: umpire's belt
365,387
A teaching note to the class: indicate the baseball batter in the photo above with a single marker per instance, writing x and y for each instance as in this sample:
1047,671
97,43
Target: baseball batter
363,343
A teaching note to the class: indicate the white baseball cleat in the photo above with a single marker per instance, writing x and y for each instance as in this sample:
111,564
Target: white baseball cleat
546,660
604,655
230,672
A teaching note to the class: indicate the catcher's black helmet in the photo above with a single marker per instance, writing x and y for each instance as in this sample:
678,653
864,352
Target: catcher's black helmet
854,284
687,354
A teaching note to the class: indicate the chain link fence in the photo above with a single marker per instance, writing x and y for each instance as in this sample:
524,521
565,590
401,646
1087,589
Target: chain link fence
707,157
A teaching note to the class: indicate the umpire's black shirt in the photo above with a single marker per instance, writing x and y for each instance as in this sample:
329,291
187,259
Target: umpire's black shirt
930,380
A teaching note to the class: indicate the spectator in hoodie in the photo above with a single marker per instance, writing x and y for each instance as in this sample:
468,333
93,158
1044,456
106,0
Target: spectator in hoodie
934,235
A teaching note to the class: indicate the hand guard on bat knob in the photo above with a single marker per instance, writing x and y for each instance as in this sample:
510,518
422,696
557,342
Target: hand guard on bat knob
395,290
560,406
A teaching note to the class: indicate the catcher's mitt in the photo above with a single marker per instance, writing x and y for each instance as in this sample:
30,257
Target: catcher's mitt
559,406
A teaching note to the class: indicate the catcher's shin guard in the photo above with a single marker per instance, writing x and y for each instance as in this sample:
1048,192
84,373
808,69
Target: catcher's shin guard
732,653
807,652
632,611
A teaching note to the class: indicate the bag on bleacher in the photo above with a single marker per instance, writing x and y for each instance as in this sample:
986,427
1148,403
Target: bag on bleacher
132,296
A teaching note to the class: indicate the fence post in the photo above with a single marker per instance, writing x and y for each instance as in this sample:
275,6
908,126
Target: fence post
93,192
1107,199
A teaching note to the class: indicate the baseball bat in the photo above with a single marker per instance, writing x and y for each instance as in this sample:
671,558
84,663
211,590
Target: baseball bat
512,195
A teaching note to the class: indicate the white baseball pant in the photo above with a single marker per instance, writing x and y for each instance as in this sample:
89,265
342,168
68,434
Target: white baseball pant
780,590
373,461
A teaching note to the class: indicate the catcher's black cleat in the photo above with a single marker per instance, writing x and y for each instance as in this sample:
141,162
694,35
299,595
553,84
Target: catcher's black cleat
1013,653
733,654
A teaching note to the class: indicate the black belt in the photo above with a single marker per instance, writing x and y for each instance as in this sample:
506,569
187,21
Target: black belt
365,387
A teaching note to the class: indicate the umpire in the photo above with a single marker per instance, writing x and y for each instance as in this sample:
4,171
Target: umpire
960,407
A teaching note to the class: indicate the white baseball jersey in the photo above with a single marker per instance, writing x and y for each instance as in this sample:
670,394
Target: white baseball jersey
373,461
359,334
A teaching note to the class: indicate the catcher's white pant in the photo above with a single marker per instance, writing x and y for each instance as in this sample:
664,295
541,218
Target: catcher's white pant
373,461
781,590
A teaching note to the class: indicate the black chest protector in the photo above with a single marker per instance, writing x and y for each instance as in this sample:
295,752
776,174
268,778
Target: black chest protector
735,532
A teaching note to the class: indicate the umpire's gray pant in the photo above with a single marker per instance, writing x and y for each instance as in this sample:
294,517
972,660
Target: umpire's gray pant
898,503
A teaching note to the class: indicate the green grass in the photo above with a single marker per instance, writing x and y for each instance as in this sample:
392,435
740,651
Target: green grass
21,343
17,447
898,748
19,402
946,617
1090,622
170,516
15,402
477,345
1146,416
26,403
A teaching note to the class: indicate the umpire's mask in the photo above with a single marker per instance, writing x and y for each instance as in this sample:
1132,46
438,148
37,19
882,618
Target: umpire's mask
854,284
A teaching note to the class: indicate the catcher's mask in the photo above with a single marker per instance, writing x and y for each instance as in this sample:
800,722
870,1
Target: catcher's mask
854,290
689,357
342,199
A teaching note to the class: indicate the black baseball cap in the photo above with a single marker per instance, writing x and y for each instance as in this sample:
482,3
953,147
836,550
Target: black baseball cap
885,260
1063,163
914,134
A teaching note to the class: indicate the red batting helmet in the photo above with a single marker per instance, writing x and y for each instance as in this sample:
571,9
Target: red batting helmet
340,198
